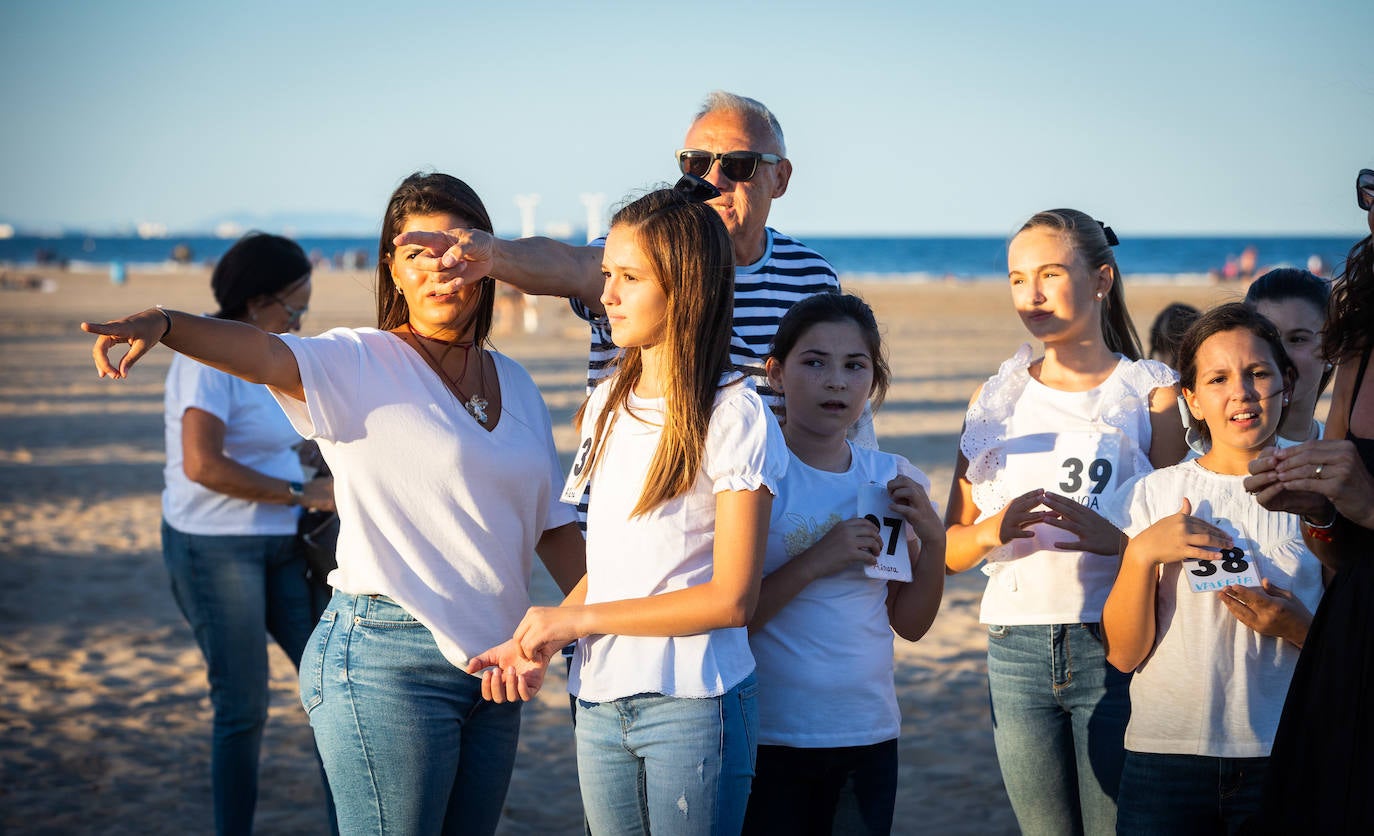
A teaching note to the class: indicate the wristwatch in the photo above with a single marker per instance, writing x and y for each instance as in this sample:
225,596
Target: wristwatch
297,492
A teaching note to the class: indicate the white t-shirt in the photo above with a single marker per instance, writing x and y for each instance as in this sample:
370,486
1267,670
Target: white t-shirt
825,660
436,512
1212,686
1021,435
670,547
256,435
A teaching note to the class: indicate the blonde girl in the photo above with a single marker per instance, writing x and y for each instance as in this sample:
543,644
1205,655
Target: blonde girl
1047,442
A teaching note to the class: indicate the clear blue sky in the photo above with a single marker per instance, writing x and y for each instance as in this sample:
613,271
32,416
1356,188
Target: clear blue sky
901,117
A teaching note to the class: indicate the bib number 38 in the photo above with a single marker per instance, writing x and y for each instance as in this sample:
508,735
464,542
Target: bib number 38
1232,567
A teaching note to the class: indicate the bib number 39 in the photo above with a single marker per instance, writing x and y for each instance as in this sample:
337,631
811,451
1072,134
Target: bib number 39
1099,472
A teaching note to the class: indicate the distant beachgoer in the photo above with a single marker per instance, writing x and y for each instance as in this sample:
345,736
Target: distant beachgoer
446,487
1316,265
1214,597
825,736
686,459
1296,301
1166,332
235,488
1322,765
1046,445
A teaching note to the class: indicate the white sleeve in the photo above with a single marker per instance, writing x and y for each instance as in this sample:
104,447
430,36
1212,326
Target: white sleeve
331,376
745,448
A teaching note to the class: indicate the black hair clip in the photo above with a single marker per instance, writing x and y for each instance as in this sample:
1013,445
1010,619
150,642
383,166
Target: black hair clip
696,189
1112,240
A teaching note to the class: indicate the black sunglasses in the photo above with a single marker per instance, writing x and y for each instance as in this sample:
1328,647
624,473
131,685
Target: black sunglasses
1364,188
739,166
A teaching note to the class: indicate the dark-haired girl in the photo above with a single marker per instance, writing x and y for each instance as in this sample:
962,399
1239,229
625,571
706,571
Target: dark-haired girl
1213,601
1046,444
822,633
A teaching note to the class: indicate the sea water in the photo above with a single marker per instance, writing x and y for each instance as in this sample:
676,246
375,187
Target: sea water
910,257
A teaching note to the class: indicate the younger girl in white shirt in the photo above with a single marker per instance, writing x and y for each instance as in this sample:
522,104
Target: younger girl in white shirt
1212,603
822,633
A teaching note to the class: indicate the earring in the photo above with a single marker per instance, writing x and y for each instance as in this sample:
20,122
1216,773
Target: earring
1100,295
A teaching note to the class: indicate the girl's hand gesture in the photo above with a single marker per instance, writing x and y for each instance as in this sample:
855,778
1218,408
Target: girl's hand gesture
847,542
1179,537
1092,532
1271,611
1015,520
141,332
508,676
910,500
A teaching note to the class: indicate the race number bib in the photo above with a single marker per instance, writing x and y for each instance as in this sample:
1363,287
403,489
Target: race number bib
1083,466
572,488
1236,566
894,561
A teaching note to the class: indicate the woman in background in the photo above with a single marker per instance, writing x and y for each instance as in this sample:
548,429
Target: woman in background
234,492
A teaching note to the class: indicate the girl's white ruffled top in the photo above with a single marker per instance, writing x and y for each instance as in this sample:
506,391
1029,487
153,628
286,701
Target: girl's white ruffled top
1020,435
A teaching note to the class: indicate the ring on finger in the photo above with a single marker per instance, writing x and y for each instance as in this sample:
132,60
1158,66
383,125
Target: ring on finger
1318,472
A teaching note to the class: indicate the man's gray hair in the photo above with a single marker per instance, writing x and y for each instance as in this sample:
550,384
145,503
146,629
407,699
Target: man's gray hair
720,100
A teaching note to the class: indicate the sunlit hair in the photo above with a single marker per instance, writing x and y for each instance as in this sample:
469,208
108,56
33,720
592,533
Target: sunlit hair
1168,329
1232,316
1291,283
835,307
719,101
688,250
1350,314
1089,241
430,194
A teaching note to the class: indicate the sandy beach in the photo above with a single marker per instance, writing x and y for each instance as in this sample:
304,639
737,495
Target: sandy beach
104,713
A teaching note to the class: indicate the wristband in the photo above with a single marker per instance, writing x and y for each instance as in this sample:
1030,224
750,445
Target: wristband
297,491
1321,532
167,317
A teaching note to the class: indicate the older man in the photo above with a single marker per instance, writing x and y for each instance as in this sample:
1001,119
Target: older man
737,145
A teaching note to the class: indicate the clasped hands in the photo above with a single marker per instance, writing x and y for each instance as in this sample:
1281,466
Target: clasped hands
514,670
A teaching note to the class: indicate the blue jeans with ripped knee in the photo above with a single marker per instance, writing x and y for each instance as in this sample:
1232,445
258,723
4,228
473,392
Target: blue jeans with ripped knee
670,766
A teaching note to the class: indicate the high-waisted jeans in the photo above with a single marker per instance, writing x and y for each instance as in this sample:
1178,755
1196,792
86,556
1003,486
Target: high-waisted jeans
1059,715
409,744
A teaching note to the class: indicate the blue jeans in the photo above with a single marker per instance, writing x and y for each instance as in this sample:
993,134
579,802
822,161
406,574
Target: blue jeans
1188,795
235,591
845,789
409,744
1059,715
668,765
